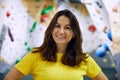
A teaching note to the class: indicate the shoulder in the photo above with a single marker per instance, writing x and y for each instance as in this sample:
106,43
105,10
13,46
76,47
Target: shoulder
89,59
93,69
32,55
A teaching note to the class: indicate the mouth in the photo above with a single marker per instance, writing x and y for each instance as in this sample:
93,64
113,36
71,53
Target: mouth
60,37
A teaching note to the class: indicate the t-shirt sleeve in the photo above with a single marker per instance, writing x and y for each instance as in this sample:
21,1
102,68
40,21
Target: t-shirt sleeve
93,69
26,64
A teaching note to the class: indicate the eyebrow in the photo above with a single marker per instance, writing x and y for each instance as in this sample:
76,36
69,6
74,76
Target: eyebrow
66,25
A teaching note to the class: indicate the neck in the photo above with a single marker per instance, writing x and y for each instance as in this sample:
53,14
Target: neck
61,48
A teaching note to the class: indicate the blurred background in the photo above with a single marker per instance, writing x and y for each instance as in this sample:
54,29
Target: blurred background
23,23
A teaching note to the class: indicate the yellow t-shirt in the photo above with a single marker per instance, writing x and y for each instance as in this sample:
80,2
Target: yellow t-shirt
44,70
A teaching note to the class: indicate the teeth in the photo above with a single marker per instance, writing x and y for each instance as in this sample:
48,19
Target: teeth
60,36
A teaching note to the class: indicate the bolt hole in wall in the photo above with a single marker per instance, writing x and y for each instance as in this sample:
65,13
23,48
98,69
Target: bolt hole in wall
23,23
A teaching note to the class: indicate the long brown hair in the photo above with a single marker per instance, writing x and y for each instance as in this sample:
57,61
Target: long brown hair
73,55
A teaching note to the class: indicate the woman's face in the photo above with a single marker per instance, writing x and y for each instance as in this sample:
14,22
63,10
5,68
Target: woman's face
62,33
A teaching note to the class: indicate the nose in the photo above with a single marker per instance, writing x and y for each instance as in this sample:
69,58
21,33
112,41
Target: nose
62,30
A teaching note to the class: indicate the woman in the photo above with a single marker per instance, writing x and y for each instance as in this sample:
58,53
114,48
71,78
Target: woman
60,57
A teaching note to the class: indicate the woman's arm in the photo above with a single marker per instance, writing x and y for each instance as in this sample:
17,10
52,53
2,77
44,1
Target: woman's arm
14,74
100,76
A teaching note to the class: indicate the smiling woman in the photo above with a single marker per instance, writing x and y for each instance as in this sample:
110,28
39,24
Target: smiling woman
60,57
62,33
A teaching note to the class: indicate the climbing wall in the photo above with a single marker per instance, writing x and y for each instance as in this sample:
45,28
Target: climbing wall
13,20
41,11
22,27
100,17
114,15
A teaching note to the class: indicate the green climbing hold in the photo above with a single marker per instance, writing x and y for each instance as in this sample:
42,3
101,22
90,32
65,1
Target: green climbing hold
47,10
26,43
37,0
18,60
33,27
28,49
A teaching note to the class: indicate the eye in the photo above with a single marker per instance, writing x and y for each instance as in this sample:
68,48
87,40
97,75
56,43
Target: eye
68,27
57,25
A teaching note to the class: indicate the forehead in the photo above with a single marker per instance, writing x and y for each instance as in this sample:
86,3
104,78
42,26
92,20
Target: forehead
63,20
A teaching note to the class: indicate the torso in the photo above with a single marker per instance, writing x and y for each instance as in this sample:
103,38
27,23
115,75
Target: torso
44,70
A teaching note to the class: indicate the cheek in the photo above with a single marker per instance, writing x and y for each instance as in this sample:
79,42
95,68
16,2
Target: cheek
54,30
71,35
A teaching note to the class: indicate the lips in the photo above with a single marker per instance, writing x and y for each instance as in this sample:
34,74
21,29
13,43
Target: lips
60,37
